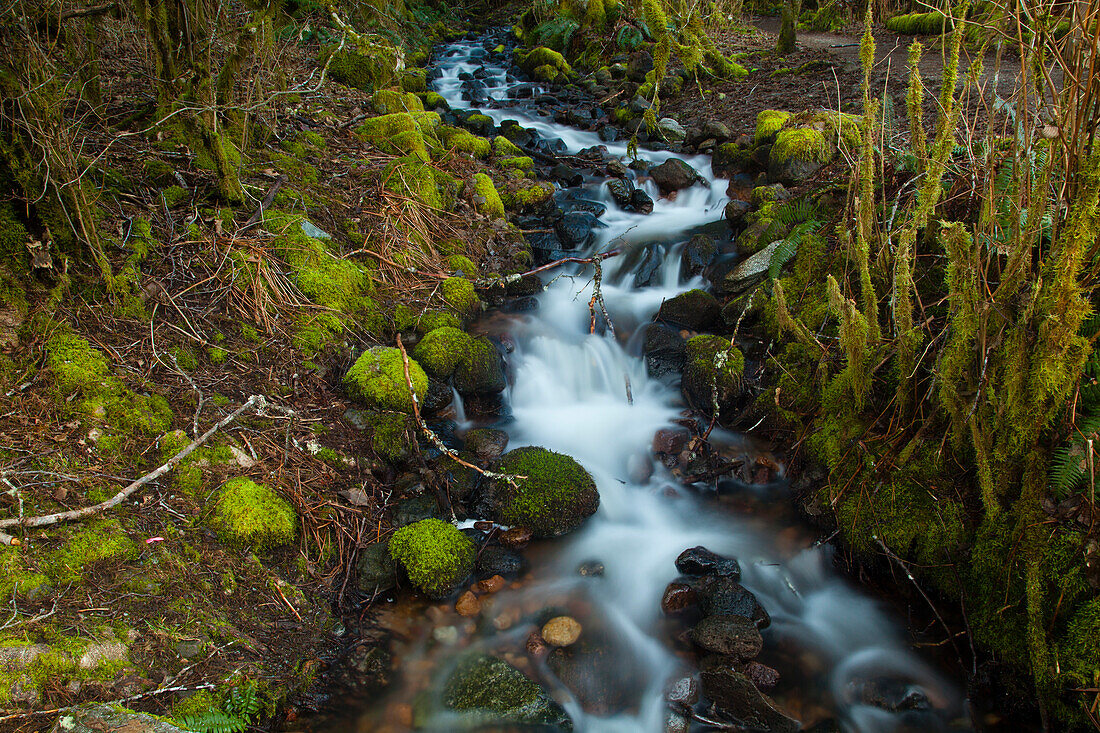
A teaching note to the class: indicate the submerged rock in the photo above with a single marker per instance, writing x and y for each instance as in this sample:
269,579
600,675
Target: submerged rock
664,350
602,674
697,255
561,631
737,697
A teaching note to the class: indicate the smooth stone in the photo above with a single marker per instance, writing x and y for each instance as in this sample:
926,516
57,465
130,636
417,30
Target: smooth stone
620,190
487,444
678,597
674,175
694,310
749,271
468,605
641,201
697,255
496,560
701,561
727,634
590,569
561,631
671,129
574,229
665,350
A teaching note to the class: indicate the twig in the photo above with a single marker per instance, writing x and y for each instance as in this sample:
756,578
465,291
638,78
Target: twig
551,265
266,202
257,401
435,439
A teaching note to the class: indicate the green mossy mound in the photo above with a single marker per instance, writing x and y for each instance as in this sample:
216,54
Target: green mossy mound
528,198
919,24
412,177
484,691
459,295
480,372
555,498
407,319
505,148
710,362
412,134
377,379
464,141
545,59
248,514
486,199
392,435
389,101
442,350
435,555
415,80
463,265
374,66
768,123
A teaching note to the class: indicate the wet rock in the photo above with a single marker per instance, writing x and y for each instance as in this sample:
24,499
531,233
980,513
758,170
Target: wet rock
701,561
670,441
674,175
716,130
638,64
671,130
742,307
641,201
736,211
516,537
468,605
665,350
608,133
568,176
494,560
749,271
763,676
414,508
561,631
888,693
684,691
527,285
555,498
678,597
639,468
677,723
620,190
605,677
574,229
647,269
694,309
736,696
99,718
491,585
487,444
727,596
712,369
730,635
697,255
366,668
616,169
591,569
375,568
727,160
484,690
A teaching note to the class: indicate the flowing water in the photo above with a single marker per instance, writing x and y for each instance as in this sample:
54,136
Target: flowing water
588,395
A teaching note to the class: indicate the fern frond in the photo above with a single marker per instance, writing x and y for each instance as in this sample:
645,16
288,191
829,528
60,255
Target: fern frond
783,254
213,721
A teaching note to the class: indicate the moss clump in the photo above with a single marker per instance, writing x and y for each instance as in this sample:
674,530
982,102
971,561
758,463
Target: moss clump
462,264
711,363
435,101
412,177
435,555
415,80
486,199
388,101
768,123
98,542
402,133
406,319
463,141
442,350
391,435
919,24
459,295
557,495
521,163
372,66
480,372
528,198
174,196
378,379
801,143
248,514
16,579
505,148
543,57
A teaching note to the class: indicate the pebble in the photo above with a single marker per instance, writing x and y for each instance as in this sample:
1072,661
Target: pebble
677,597
536,646
445,634
591,568
490,585
761,675
561,631
468,605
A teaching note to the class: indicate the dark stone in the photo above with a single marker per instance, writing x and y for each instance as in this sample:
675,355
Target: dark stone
367,668
736,696
574,229
512,130
736,211
604,676
375,569
730,635
678,597
684,691
621,190
438,396
888,693
701,561
527,285
641,201
740,187
487,444
695,310
608,133
697,255
763,676
671,441
727,596
673,175
664,350
727,160
413,509
715,129
591,569
497,560
638,64
565,174
649,266
482,372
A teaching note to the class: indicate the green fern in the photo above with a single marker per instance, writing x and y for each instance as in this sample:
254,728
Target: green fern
214,721
239,707
1069,466
788,247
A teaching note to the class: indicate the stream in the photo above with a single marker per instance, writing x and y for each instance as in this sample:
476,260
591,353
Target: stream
838,652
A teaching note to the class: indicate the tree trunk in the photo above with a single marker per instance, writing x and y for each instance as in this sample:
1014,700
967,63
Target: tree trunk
791,11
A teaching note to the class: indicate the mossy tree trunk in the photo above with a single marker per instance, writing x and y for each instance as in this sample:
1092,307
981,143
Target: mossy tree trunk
786,42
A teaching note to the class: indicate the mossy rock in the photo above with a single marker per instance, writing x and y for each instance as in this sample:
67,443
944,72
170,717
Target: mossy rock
411,176
415,80
371,67
377,379
712,363
459,295
412,134
442,350
528,198
798,153
556,496
768,123
436,556
521,163
505,148
392,435
481,371
540,57
248,514
464,141
407,319
435,101
479,123
920,24
484,692
694,309
463,265
389,101
486,199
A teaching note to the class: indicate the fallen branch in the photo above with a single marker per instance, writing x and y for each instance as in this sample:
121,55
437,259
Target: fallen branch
267,200
257,401
435,439
550,266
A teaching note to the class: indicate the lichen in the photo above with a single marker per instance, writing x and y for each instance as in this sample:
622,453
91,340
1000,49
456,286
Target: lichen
435,555
554,498
378,379
442,350
248,514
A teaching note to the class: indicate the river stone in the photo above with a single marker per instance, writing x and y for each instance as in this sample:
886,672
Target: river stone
568,176
366,668
728,634
497,560
561,631
649,266
727,160
101,718
684,691
727,596
665,350
641,201
736,211
574,229
671,129
604,677
749,271
487,444
701,561
735,695
697,255
487,691
673,175
555,498
695,310
677,723
376,570
763,676
678,597
481,372
620,190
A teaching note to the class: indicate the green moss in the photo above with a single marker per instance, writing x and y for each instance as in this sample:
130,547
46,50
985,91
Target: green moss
174,196
543,57
102,541
184,357
711,359
402,133
415,80
557,495
481,371
435,555
370,67
802,143
505,148
392,435
530,197
463,141
248,514
378,379
522,163
487,201
459,295
16,579
919,24
480,123
442,350
768,124
413,178
435,101
388,101
217,355
406,318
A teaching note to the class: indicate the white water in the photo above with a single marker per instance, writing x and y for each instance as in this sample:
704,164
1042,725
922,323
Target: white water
570,395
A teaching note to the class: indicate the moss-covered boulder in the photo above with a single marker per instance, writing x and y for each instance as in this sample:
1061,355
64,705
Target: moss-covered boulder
377,379
797,154
463,141
482,371
528,197
712,363
459,295
248,514
486,199
542,62
412,177
442,350
372,66
403,133
505,148
393,435
435,555
556,496
768,123
462,265
483,692
389,101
